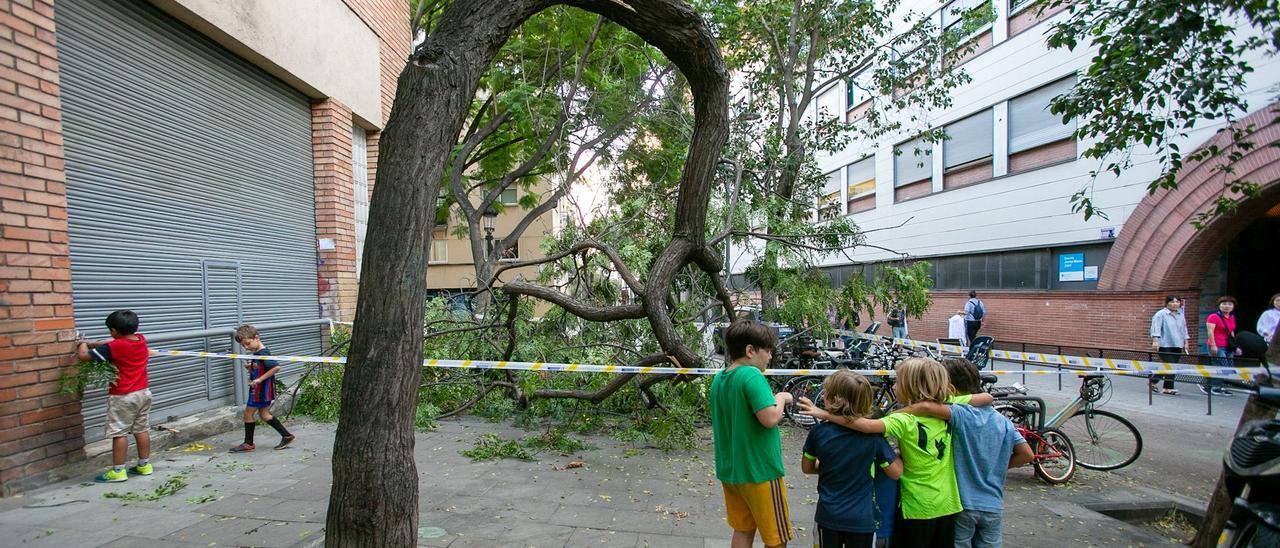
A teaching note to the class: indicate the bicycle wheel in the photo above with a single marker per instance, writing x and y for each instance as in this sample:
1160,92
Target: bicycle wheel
1103,440
1055,458
1012,412
808,387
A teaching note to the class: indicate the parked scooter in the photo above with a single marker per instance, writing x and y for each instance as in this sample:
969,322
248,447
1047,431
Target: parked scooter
1253,468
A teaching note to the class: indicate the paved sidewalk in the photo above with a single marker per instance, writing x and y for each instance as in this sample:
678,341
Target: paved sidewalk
621,497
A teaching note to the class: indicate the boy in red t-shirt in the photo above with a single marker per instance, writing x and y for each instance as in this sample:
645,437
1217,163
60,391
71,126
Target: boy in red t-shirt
128,399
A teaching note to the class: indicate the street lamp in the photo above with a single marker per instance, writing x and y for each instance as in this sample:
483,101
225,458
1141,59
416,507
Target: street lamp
487,218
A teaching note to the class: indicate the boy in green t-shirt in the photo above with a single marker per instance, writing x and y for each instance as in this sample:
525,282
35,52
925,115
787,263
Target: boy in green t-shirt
744,423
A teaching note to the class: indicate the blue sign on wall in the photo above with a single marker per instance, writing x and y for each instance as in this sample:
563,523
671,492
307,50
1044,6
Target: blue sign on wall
1071,267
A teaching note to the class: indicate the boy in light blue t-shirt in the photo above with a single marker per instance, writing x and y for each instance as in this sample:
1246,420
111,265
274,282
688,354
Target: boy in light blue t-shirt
985,444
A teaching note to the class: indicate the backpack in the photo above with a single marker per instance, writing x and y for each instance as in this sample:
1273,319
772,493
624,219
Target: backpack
978,310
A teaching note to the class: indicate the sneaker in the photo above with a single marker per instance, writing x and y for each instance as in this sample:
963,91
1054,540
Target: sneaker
285,441
1170,391
1220,391
243,448
141,470
112,476
1205,390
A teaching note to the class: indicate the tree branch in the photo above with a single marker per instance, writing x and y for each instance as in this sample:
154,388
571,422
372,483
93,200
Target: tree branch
574,306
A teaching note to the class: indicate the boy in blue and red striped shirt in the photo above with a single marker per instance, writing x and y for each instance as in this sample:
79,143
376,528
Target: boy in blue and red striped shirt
262,390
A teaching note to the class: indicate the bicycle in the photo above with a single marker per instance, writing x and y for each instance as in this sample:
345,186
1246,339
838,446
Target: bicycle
1053,454
1104,440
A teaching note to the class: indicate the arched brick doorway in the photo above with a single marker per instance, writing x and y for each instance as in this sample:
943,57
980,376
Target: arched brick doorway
1160,250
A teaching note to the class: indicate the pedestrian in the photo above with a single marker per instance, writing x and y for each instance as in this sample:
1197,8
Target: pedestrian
955,328
128,398
1270,319
847,463
930,496
1169,337
262,390
974,312
897,321
748,445
1220,330
986,446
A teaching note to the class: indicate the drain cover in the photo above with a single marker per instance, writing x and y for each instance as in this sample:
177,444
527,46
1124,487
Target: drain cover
430,532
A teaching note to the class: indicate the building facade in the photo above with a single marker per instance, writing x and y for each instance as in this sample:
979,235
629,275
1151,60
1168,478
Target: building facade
202,162
990,208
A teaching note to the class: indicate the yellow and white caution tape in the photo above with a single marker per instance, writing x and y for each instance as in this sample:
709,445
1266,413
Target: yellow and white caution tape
1232,372
1140,367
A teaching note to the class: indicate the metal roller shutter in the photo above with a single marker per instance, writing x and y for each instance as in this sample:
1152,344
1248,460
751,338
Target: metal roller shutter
190,194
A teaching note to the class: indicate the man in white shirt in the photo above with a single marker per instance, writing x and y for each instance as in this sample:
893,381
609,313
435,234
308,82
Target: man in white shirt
955,328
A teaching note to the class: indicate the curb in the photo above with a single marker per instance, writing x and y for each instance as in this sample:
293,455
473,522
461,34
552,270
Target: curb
97,455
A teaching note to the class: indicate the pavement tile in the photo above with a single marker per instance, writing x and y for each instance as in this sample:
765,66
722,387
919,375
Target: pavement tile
585,536
235,531
649,540
141,542
581,516
268,508
48,536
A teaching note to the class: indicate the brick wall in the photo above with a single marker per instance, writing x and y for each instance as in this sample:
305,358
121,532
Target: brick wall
1113,319
335,208
40,429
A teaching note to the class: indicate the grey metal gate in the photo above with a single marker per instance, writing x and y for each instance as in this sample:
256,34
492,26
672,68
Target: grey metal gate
182,160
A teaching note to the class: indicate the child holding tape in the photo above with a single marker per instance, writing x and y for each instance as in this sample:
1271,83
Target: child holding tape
748,446
849,465
262,390
930,496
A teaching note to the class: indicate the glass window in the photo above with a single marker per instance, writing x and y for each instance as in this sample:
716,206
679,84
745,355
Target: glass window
954,12
440,251
829,104
861,176
509,197
360,187
511,253
912,162
1030,123
830,198
968,140
858,89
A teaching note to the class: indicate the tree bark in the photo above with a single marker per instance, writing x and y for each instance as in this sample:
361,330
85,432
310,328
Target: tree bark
374,499
1219,510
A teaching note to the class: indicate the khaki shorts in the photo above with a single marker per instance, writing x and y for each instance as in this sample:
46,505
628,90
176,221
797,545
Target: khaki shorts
127,414
759,506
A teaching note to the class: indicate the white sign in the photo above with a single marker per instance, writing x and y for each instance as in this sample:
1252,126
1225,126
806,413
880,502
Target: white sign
1090,273
327,244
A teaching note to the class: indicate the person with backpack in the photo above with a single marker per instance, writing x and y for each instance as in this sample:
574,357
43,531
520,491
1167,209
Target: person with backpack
1221,338
974,312
897,321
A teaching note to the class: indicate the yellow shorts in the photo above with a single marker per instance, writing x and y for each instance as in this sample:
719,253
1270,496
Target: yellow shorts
759,506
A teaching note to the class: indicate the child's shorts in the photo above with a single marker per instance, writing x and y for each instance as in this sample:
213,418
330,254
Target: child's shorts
262,396
128,413
759,506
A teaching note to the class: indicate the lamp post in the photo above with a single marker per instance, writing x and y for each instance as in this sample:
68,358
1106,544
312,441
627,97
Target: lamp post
487,218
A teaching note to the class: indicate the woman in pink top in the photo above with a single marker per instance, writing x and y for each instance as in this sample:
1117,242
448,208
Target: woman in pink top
1221,328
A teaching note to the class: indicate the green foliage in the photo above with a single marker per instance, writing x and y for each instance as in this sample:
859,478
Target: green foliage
170,487
424,417
489,446
201,499
87,375
1164,68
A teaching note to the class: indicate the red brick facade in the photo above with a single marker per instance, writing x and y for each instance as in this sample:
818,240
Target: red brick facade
40,429
1081,319
331,133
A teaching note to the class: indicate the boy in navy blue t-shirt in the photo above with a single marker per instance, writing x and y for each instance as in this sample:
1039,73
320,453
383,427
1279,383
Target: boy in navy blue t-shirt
262,390
849,465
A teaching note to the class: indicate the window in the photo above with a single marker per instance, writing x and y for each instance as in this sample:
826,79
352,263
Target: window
360,187
511,253
439,251
968,140
828,104
1026,269
509,197
1030,123
442,212
862,177
858,89
953,14
912,162
1016,5
828,203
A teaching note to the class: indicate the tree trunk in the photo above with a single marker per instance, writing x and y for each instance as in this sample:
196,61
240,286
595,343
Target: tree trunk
1215,516
374,499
